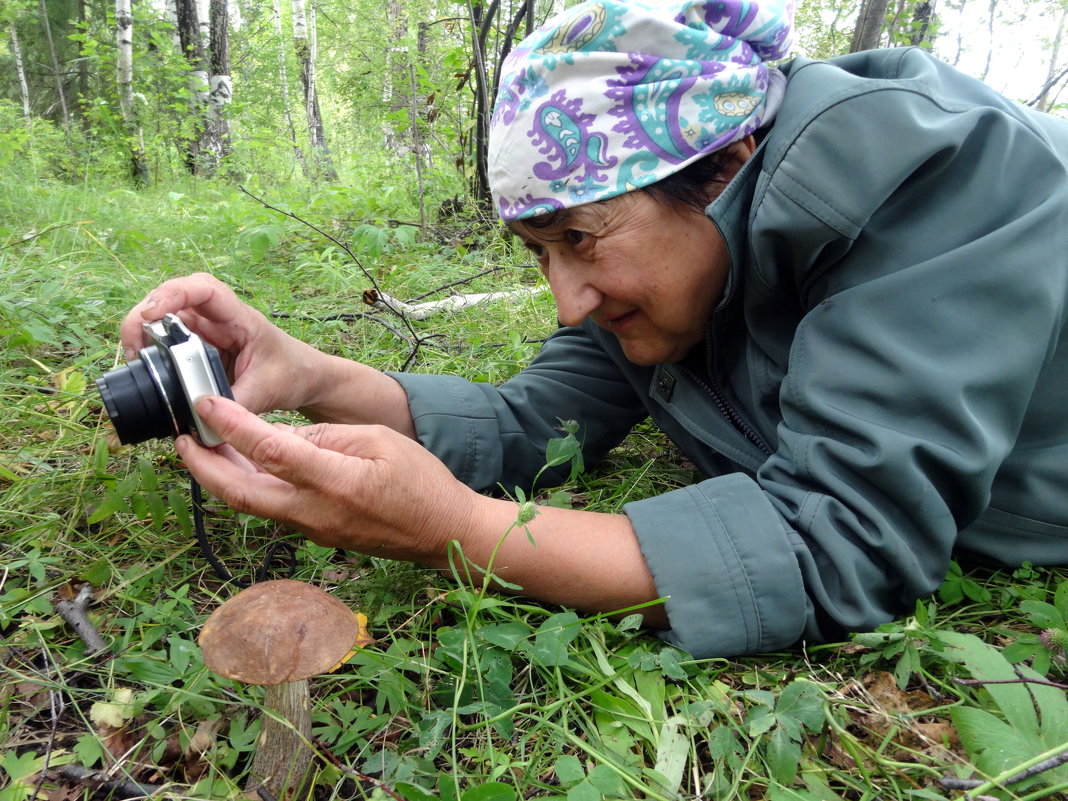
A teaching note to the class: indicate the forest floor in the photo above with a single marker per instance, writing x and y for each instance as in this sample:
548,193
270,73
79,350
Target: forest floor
462,693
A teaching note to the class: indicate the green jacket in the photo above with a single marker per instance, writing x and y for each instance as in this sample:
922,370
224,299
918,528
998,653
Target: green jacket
884,384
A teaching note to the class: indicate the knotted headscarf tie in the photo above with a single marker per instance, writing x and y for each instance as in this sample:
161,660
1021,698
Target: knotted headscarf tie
611,96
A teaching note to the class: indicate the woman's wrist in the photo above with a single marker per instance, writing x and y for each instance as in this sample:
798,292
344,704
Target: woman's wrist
344,391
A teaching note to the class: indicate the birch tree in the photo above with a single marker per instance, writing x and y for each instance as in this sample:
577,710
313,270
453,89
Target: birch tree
304,42
215,140
20,69
127,101
283,81
868,33
193,48
395,77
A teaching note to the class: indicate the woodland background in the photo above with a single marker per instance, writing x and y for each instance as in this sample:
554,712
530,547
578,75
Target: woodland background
313,153
282,89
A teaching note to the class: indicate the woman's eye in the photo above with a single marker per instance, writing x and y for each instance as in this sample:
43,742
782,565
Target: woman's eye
575,237
537,250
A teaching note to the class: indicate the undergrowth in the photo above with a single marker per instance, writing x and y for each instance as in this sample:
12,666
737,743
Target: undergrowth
464,693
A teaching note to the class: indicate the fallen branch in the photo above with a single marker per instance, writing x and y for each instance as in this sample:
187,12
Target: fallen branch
120,788
1021,680
420,311
1060,757
75,615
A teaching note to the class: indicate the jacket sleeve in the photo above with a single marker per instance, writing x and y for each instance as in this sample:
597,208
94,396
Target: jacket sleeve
490,435
927,241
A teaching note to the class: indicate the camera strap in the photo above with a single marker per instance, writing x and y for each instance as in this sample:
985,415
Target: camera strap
274,551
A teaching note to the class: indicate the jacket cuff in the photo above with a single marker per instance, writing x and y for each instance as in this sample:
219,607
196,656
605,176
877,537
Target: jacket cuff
726,563
456,422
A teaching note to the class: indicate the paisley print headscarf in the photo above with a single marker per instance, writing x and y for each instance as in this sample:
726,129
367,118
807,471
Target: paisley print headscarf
611,96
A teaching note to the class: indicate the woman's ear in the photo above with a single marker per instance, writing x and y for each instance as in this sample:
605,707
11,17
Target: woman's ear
735,155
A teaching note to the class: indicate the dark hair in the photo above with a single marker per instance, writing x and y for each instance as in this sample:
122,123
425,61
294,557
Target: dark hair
694,186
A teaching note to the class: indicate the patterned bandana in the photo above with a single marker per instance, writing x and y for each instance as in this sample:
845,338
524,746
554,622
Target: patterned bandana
611,96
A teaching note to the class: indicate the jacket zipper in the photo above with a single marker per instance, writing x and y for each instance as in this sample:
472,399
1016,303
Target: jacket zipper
730,413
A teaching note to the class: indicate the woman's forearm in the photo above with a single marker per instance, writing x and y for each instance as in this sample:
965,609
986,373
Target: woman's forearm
346,391
587,560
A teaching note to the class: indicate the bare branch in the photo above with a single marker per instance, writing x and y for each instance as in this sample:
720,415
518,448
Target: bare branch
75,615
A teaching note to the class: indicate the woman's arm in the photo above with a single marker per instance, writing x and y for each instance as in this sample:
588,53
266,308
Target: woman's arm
367,489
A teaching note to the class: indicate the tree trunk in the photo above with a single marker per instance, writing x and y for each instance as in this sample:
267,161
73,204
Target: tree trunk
395,78
481,22
193,49
16,54
991,10
922,13
83,73
1046,97
870,22
283,81
215,140
304,42
64,109
282,753
127,103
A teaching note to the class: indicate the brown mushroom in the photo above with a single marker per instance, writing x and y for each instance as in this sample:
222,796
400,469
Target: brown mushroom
279,633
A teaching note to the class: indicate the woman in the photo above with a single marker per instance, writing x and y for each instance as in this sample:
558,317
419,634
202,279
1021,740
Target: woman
861,343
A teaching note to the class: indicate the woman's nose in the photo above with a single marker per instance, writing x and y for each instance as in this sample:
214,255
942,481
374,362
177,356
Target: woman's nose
575,296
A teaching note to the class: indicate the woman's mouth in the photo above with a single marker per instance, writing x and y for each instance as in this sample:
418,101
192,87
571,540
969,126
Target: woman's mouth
620,323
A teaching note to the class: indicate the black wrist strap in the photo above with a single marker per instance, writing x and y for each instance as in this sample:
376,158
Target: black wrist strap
280,551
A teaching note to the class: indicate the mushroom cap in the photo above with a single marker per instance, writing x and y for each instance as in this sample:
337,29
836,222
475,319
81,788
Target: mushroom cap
278,631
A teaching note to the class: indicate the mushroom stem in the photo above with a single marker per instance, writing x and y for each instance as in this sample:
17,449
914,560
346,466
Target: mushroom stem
283,754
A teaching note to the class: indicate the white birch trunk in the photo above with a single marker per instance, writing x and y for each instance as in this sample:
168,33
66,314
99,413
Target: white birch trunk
124,79
283,81
304,41
215,142
16,54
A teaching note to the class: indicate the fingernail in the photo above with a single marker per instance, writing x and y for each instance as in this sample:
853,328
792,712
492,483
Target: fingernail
205,405
148,303
130,354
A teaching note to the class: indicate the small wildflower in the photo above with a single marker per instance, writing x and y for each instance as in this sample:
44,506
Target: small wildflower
527,512
1056,640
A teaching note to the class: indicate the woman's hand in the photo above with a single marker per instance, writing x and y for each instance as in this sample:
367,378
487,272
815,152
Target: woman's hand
369,489
361,488
267,367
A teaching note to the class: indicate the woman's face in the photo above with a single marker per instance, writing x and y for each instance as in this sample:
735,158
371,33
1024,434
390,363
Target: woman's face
649,271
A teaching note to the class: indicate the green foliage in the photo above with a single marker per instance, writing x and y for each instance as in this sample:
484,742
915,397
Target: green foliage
1023,720
467,692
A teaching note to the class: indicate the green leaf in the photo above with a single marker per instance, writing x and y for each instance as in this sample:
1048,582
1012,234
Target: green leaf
568,769
987,664
783,755
88,750
490,791
19,767
505,635
803,701
1043,615
992,743
413,792
584,791
553,638
671,754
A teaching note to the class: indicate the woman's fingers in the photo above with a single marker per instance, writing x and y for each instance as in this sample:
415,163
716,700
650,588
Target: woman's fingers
208,295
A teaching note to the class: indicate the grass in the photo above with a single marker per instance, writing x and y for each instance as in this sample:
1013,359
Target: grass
464,694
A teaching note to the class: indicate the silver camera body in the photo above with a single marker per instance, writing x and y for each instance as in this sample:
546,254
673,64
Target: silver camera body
156,394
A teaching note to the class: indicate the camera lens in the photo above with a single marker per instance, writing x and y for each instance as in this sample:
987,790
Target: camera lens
144,399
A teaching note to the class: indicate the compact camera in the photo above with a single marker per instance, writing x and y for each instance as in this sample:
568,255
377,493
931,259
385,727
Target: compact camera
155,396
